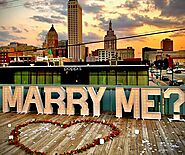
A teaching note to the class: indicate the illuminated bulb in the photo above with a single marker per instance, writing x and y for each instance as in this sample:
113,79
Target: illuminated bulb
102,141
11,137
136,132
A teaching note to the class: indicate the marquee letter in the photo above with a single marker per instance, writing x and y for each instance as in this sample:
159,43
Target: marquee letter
127,106
145,92
33,91
10,100
59,101
96,98
82,101
178,103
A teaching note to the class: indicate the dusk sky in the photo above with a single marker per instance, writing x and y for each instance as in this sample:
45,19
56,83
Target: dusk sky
28,21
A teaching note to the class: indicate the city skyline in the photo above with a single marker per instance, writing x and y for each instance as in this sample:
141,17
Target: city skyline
128,18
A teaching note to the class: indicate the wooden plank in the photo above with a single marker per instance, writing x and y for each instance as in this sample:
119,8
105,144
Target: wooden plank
174,143
165,137
158,146
155,137
145,139
151,145
106,147
20,121
103,131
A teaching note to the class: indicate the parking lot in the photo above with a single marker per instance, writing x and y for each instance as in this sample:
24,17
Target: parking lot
166,79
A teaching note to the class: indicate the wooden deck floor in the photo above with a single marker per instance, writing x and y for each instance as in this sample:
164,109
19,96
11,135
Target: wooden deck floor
155,137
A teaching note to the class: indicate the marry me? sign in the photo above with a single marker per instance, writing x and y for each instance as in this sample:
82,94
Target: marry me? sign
138,100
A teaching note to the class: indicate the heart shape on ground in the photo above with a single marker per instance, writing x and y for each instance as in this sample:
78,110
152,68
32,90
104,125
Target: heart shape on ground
15,135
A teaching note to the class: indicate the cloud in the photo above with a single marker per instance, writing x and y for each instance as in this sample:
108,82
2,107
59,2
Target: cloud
100,18
121,23
26,30
3,3
57,17
42,35
61,19
159,4
141,6
92,8
178,34
170,8
3,27
113,12
158,21
58,6
60,10
57,2
124,22
82,2
86,24
36,4
95,26
91,37
46,19
62,36
130,5
175,8
7,37
16,30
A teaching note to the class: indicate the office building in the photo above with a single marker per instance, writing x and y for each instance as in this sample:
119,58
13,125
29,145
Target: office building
75,30
125,53
51,42
146,52
110,42
63,48
167,44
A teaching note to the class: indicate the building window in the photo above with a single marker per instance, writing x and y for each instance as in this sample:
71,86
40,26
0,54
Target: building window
132,78
111,78
102,78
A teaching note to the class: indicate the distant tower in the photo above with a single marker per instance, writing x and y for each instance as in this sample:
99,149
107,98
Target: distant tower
74,29
167,44
110,41
52,40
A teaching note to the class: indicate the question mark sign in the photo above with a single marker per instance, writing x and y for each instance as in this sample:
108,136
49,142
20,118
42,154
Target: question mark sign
177,103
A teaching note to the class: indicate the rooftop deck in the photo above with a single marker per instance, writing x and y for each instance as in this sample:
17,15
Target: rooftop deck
155,137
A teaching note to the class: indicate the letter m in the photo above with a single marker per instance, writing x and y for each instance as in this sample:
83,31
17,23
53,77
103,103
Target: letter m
10,99
121,102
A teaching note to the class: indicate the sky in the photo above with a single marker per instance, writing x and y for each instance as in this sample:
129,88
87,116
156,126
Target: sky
28,21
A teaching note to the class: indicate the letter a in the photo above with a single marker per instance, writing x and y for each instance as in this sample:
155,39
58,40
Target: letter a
33,92
59,101
82,101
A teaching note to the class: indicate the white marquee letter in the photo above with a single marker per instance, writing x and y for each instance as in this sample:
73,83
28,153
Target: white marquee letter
121,101
145,92
82,101
96,98
10,100
59,101
33,91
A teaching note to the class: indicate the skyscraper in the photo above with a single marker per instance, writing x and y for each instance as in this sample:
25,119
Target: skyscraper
74,29
110,42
